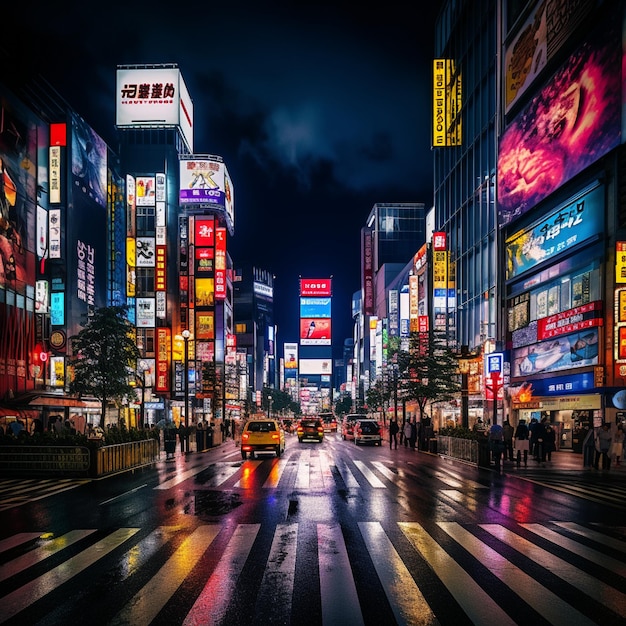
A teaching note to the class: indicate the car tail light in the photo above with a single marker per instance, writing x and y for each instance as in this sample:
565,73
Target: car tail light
275,436
245,436
320,429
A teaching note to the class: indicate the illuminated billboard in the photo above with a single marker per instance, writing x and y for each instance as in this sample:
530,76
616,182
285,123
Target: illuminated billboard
154,96
315,307
315,287
315,332
316,367
447,102
290,352
572,122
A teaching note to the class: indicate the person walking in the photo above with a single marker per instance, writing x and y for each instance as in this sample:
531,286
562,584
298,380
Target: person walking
407,432
522,443
413,437
549,442
508,432
617,447
539,435
393,434
496,443
603,440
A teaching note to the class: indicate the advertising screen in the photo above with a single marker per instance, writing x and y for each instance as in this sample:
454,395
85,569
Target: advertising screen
572,122
315,332
202,181
315,307
315,287
290,351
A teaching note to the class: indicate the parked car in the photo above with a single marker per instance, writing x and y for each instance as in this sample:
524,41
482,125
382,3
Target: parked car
310,429
262,435
347,426
329,421
367,431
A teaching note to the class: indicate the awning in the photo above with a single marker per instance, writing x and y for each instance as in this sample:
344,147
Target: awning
61,401
24,414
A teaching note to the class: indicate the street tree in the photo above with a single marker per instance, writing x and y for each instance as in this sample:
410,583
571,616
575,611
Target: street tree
429,371
104,352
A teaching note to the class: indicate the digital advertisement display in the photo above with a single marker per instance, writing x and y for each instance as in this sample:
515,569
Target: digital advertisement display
575,350
315,307
154,96
290,352
315,287
573,121
89,161
572,224
315,332
204,181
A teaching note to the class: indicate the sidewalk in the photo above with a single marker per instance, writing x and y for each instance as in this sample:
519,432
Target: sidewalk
563,460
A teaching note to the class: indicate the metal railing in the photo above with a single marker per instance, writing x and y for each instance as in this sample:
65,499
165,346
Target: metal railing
457,448
123,456
44,460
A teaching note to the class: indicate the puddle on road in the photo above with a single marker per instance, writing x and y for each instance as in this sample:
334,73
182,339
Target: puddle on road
214,503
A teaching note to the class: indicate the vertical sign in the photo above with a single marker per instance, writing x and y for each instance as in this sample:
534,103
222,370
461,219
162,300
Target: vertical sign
220,263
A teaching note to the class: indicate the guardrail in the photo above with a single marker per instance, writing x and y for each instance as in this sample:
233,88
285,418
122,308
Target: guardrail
123,456
457,448
44,461
76,461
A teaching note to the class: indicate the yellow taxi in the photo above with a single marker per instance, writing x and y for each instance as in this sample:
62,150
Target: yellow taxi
262,435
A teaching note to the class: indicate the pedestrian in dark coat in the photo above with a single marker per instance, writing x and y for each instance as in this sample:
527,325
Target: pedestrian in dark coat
393,434
413,436
550,442
522,442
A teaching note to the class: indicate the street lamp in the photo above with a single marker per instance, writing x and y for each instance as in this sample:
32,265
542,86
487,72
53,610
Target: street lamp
269,406
186,335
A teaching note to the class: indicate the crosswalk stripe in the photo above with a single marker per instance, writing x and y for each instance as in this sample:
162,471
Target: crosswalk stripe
273,604
612,598
247,470
610,542
36,589
407,602
477,604
223,473
340,603
595,556
384,470
544,601
46,550
303,474
213,601
275,475
327,474
15,540
371,478
348,476
149,600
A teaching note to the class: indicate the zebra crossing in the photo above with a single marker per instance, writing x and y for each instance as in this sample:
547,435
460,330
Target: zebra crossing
554,572
14,492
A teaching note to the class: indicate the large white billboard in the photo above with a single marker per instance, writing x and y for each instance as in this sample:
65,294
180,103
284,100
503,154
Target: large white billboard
154,96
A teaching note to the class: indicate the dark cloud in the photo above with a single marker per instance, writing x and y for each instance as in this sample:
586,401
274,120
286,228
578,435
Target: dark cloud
319,111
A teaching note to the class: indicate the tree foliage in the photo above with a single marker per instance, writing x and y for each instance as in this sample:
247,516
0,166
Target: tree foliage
429,370
343,406
104,352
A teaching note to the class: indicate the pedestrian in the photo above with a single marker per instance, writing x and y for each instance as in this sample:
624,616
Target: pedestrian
617,448
522,443
407,432
589,448
603,441
532,438
182,435
549,442
413,436
393,434
539,434
496,443
508,432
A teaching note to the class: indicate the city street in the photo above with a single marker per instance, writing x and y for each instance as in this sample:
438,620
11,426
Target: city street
328,533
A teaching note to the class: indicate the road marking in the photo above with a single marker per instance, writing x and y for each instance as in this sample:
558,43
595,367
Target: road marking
36,589
407,602
152,597
340,602
303,475
546,603
273,604
605,540
371,478
479,606
123,495
47,549
220,589
611,598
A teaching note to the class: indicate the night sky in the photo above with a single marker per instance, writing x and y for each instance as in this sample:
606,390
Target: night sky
318,111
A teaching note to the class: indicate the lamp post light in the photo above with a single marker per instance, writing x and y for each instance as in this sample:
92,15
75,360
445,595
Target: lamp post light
186,335
269,406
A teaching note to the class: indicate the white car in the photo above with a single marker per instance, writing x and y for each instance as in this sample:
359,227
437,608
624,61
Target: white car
367,431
